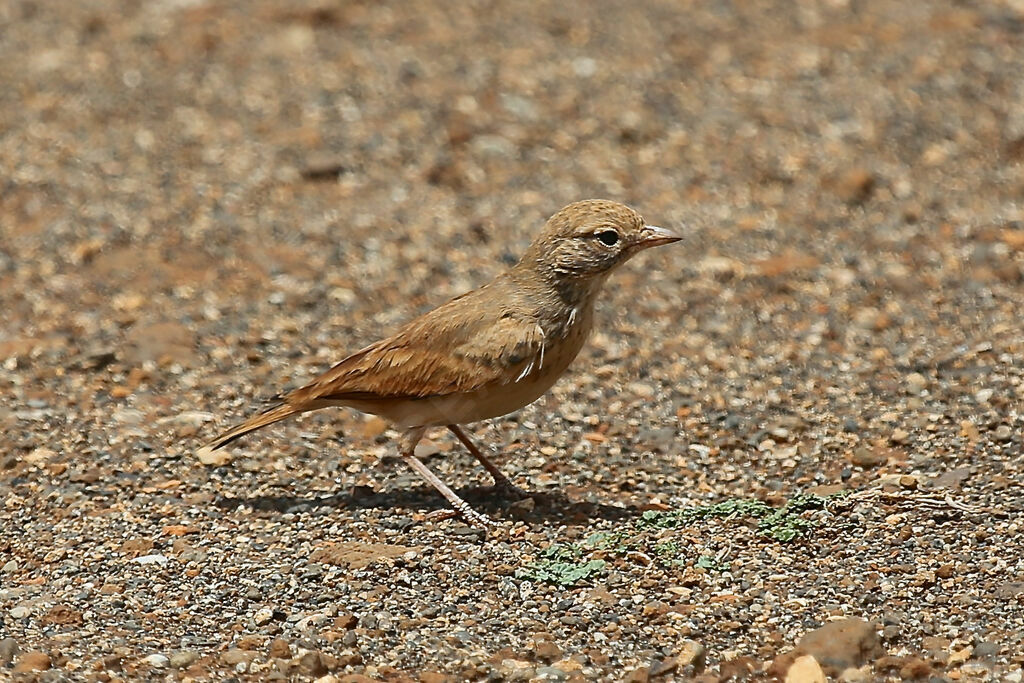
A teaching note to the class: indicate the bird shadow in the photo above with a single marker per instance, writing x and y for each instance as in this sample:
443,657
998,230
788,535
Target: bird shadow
540,507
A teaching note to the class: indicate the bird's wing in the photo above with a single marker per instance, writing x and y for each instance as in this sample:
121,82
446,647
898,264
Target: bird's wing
456,348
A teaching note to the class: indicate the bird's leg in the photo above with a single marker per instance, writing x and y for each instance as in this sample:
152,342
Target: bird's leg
408,448
501,482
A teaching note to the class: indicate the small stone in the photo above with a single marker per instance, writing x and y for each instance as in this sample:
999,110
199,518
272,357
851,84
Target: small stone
867,457
973,670
183,659
854,186
249,642
854,675
739,669
899,436
8,650
213,458
953,479
805,669
63,615
151,559
235,656
280,649
639,675
521,508
9,567
135,547
916,383
969,430
982,650
157,661
547,650
321,166
263,616
568,665
550,673
345,621
32,661
313,664
1003,434
425,449
691,653
20,612
516,670
915,667
839,645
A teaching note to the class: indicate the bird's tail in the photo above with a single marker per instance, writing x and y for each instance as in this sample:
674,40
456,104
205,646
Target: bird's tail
275,413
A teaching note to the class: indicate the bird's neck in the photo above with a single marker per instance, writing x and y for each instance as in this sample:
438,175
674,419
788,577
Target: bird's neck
567,300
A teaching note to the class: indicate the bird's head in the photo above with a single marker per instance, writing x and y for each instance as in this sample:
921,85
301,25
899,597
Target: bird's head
588,239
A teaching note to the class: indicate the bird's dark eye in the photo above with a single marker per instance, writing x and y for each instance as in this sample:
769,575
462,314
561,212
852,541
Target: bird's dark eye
609,238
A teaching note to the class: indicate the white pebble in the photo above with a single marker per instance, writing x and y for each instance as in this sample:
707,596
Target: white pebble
156,661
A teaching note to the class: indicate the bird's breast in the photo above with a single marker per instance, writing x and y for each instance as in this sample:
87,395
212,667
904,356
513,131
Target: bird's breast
525,383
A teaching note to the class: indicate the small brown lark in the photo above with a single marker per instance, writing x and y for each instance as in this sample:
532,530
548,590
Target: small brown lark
485,353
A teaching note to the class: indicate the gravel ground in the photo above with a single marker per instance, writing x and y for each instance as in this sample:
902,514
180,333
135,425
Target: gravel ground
793,449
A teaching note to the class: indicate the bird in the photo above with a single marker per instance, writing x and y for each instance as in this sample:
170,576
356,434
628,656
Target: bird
485,353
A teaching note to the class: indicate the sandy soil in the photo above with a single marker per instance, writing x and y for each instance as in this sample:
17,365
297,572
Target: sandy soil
794,447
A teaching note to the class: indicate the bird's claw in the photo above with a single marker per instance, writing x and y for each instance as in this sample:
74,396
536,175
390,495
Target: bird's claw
469,515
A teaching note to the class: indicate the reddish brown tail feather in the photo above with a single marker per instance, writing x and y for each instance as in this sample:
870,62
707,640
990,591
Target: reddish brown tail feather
271,415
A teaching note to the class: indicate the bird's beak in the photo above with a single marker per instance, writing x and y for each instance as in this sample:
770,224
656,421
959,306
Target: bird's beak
652,236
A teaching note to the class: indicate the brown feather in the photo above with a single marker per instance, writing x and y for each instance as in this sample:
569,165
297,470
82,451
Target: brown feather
459,347
271,415
482,354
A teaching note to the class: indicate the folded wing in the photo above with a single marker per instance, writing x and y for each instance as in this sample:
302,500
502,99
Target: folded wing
441,353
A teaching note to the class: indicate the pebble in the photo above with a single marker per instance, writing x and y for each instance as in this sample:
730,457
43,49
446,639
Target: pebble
263,616
313,663
1003,434
855,675
691,653
516,670
550,673
805,669
20,612
840,645
213,458
9,567
151,559
32,661
157,661
916,383
867,457
8,650
280,649
235,656
899,436
854,185
183,659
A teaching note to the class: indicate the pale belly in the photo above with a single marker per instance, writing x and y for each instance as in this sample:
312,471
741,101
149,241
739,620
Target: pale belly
492,401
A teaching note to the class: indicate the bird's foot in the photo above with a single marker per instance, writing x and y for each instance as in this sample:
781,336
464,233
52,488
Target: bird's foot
468,514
